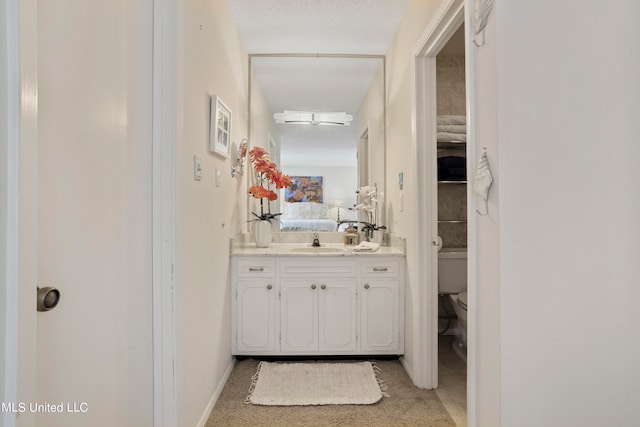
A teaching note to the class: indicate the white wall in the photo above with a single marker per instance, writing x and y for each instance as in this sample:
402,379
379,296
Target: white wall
262,129
568,99
262,124
371,118
401,157
214,62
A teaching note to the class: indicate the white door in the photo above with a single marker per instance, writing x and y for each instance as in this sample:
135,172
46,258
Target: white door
94,359
337,315
299,316
379,315
256,315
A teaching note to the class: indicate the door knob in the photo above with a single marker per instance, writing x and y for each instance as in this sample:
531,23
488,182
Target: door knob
437,243
47,298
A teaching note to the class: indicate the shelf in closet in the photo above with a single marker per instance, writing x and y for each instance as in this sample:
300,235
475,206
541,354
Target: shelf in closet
452,182
452,144
452,221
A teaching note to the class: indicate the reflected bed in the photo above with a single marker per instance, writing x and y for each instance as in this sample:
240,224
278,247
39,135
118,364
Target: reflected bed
306,216
302,224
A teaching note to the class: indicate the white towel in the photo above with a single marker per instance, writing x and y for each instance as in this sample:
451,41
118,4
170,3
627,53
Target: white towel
451,120
367,247
452,128
451,137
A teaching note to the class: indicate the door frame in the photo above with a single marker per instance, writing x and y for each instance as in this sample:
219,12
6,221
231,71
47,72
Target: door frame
363,164
446,21
18,202
165,112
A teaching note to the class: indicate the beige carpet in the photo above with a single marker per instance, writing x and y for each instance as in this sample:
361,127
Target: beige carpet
406,406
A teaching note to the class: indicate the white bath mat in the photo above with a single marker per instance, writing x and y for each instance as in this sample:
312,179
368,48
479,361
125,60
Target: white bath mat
291,384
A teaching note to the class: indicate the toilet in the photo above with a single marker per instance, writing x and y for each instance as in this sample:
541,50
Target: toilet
452,281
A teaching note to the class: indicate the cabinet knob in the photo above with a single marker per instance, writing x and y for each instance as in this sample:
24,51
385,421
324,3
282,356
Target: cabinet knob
366,286
269,287
313,286
323,286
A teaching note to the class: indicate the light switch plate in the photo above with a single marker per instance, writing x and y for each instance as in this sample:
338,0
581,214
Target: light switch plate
197,168
218,177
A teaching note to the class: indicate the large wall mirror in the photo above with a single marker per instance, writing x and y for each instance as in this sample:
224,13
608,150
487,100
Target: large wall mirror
322,119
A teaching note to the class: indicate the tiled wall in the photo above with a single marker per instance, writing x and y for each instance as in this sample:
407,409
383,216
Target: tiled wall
452,198
452,205
450,85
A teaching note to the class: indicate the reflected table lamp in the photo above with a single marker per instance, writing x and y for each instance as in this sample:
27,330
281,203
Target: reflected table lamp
337,204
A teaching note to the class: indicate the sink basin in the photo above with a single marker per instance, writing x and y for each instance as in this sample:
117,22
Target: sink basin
316,250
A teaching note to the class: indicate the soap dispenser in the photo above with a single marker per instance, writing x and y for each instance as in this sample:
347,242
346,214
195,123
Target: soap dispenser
351,236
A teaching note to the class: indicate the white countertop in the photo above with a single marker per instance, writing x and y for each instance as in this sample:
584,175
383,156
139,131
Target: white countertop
289,249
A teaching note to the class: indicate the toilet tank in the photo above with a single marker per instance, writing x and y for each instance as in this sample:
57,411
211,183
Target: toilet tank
452,270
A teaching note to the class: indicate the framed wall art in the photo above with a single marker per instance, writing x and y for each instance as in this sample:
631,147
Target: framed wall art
219,127
304,189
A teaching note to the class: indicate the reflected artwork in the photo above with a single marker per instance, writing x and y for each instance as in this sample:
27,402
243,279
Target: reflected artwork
304,189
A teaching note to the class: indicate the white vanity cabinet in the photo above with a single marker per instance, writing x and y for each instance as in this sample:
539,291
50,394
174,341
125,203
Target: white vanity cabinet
380,306
254,310
309,305
318,304
317,315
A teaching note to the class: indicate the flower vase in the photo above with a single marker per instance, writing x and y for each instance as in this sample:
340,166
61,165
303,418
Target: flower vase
378,236
263,233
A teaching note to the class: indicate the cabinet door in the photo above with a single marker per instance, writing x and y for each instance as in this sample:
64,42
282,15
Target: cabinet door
337,316
255,316
299,316
379,314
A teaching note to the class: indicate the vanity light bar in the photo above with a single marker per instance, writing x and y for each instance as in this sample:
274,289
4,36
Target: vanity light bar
313,118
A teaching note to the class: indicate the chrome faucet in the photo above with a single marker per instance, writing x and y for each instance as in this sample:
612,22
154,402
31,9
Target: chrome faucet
316,240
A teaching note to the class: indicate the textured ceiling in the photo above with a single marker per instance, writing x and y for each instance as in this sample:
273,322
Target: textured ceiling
316,27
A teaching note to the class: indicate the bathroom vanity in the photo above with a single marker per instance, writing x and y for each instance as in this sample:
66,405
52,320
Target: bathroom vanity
293,300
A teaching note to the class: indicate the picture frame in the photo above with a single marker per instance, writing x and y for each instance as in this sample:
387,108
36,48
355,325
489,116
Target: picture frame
219,127
305,189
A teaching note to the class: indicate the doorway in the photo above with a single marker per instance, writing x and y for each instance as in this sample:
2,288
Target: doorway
450,18
451,213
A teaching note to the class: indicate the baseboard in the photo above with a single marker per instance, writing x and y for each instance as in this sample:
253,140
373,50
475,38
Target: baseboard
408,369
216,394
